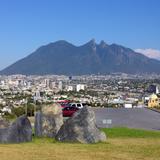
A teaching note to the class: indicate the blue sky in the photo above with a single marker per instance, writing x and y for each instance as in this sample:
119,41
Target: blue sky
27,24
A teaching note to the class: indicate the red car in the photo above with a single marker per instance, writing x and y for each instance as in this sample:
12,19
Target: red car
69,111
64,105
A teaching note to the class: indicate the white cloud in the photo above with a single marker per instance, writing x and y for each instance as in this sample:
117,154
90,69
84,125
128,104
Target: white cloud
151,53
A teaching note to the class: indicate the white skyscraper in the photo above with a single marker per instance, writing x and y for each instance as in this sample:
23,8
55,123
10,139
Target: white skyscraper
80,87
60,85
157,90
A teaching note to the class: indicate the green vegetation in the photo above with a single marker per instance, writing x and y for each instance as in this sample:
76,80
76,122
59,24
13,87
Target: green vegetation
9,116
122,144
123,132
18,111
29,108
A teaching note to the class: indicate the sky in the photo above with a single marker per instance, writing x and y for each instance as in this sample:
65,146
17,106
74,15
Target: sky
25,25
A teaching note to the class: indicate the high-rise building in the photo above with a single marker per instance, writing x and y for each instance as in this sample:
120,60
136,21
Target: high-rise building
69,88
60,85
80,87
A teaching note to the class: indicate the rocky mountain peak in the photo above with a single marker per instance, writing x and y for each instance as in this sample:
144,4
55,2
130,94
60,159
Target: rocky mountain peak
103,44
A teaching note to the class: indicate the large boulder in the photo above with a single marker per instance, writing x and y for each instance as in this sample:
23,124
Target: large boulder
19,131
48,121
81,127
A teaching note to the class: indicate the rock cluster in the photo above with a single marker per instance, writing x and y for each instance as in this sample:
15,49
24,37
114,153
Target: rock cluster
81,127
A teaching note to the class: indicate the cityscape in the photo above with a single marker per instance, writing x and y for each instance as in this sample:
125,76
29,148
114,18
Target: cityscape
115,90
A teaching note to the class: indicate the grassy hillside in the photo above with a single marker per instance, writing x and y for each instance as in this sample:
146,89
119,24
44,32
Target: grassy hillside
122,144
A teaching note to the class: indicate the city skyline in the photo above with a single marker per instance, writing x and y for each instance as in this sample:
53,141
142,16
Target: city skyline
26,25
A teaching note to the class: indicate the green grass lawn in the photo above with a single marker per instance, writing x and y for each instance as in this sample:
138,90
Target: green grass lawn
123,132
122,144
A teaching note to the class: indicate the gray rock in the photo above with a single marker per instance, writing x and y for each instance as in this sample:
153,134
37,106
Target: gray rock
48,121
38,124
81,128
19,131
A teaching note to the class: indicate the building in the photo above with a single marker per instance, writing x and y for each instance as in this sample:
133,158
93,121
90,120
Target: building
69,88
153,101
128,105
37,96
47,82
153,89
80,87
60,85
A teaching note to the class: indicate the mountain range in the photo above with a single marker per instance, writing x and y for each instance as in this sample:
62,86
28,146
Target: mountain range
62,57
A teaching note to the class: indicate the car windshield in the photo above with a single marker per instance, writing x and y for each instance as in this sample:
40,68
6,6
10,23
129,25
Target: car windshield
66,108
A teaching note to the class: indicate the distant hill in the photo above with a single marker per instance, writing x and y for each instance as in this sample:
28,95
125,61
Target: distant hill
62,57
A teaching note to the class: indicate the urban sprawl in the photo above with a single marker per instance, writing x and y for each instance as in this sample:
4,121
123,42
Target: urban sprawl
21,94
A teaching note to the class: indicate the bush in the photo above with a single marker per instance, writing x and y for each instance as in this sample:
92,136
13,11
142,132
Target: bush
9,116
18,111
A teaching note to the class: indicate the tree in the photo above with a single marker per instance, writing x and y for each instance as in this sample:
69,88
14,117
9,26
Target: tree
18,111
30,109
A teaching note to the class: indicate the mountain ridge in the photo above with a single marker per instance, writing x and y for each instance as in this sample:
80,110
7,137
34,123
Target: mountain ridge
62,57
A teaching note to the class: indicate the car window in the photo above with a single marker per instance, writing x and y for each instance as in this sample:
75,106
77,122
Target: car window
73,105
78,105
66,109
